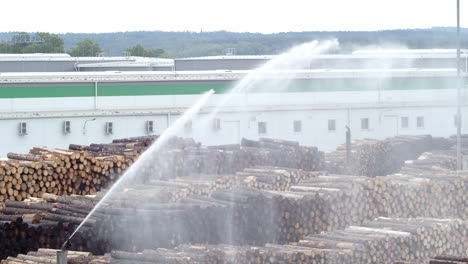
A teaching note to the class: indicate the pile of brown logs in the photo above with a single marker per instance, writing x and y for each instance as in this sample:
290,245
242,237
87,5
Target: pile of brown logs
444,259
28,225
434,193
177,161
273,178
79,170
49,256
192,194
87,169
185,199
206,209
384,240
370,157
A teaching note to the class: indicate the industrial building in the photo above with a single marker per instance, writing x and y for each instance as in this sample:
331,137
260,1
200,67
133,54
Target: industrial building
365,59
313,107
48,62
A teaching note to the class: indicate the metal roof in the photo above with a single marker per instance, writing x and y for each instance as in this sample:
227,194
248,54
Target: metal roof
112,76
60,57
362,54
230,57
139,62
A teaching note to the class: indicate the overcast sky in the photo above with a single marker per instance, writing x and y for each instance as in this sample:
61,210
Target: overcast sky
265,16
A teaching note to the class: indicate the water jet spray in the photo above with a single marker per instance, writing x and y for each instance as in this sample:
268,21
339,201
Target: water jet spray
157,145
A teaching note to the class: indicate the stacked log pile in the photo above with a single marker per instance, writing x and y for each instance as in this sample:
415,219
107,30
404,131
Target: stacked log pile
380,157
463,142
273,178
28,225
384,240
193,216
431,161
223,210
48,256
255,205
444,259
79,170
432,192
229,159
87,169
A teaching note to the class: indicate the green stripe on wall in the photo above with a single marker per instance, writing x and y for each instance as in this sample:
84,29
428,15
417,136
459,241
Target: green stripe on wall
316,85
167,89
47,91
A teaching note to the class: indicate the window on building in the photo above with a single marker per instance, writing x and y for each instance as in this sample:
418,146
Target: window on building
109,128
66,127
297,125
420,121
262,127
404,122
365,123
331,125
149,126
23,128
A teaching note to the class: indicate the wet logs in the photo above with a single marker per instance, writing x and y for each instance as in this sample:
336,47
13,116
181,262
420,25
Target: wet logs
378,157
87,169
188,159
384,240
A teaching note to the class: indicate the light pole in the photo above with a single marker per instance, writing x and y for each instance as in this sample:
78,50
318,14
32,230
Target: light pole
459,83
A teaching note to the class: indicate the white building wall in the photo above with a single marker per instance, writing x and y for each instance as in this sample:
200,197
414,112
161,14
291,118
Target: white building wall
45,117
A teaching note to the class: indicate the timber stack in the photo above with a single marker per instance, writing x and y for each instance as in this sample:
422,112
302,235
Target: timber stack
196,211
29,225
434,193
78,170
371,157
186,200
384,240
85,170
444,259
188,159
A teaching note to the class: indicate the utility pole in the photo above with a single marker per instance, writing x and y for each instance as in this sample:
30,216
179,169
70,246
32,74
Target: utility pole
459,83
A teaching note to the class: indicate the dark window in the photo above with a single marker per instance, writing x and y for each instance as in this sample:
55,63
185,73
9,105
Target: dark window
150,126
331,125
109,128
66,127
262,127
297,126
365,123
420,121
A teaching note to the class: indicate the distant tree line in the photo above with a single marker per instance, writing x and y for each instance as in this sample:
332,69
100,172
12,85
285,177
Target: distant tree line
188,44
51,43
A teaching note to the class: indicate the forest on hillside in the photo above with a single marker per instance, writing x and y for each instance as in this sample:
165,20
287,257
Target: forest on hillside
189,44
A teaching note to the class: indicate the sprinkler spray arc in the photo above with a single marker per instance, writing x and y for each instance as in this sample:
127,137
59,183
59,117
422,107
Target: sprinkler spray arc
298,57
170,131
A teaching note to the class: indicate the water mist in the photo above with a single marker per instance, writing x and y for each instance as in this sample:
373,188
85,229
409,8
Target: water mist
172,227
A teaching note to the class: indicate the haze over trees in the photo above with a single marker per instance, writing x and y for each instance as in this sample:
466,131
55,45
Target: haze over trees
188,44
85,48
139,50
24,43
